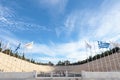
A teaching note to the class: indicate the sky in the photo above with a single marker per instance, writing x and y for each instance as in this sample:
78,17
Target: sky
59,28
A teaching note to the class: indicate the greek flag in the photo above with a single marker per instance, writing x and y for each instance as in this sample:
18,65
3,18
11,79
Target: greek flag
103,44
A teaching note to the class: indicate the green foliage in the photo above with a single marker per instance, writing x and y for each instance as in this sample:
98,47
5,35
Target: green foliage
0,49
16,55
98,56
23,57
7,51
90,58
59,63
32,61
64,63
0,45
50,63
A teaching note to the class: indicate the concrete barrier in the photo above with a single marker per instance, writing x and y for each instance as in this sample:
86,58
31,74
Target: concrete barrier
100,75
17,75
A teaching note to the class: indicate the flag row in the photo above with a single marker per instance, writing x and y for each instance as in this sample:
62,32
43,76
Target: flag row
27,46
102,44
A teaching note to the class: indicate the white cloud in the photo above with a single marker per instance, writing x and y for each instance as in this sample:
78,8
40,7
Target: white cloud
77,56
8,22
17,26
106,21
41,49
77,21
58,49
109,23
72,51
6,12
54,6
101,24
59,30
116,38
70,24
51,2
53,59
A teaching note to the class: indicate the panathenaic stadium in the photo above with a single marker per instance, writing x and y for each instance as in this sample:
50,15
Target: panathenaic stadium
59,39
16,69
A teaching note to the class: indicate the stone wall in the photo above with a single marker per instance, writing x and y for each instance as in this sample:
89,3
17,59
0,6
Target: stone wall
12,64
109,63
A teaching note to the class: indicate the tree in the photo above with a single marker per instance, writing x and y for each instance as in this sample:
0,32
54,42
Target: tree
0,44
50,63
0,49
90,58
16,55
32,61
7,51
23,56
59,63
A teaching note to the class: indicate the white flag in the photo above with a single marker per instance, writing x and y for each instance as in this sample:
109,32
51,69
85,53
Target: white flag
29,45
6,46
115,44
88,45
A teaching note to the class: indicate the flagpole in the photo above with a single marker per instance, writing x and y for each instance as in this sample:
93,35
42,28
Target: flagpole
92,60
106,45
96,58
87,60
100,45
100,60
87,46
92,66
29,46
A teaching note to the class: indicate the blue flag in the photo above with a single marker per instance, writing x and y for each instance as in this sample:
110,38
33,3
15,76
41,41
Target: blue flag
18,47
103,44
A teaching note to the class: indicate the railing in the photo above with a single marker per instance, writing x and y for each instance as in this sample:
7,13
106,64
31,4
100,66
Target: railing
66,74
